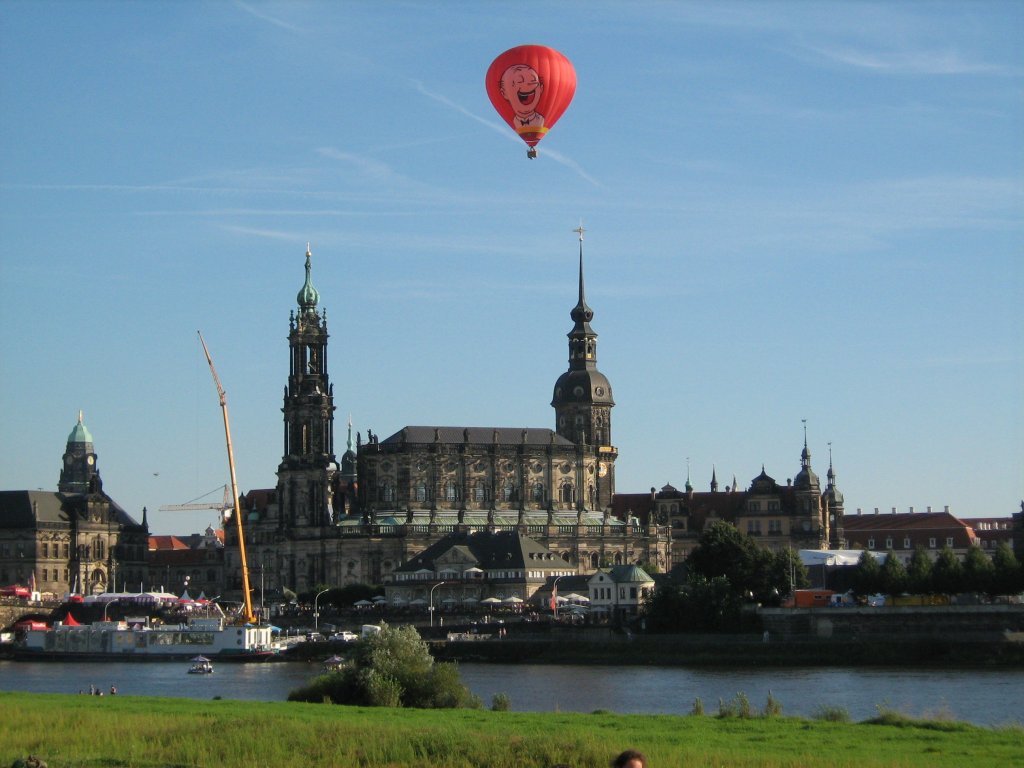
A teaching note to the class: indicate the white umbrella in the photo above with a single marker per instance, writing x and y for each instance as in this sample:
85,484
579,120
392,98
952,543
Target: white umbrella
577,597
362,603
470,600
490,600
449,600
512,600
418,601
561,599
380,599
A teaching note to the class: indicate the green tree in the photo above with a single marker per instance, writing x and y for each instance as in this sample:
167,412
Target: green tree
919,572
1008,576
978,570
867,579
894,574
947,573
723,551
392,668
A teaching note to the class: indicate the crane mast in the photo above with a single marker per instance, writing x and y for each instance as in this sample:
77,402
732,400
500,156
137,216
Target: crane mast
247,597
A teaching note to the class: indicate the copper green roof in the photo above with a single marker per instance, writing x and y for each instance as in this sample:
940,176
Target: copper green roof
80,434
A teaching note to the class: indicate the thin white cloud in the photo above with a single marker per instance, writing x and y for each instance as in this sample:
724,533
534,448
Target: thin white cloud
502,130
259,14
906,62
266,234
367,167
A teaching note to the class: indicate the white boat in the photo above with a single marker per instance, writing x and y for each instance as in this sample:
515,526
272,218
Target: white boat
137,639
201,666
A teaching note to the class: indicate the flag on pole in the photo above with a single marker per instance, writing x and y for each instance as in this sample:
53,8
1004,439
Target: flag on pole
554,596
32,581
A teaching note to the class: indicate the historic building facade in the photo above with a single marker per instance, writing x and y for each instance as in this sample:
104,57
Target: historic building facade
75,540
390,499
797,515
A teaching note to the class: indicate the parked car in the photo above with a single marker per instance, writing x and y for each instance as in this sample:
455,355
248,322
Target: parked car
344,637
314,637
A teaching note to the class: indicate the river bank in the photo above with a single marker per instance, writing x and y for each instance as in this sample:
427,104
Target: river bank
77,730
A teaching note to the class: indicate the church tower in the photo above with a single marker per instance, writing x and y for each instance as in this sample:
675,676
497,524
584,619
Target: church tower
583,404
808,523
79,473
305,477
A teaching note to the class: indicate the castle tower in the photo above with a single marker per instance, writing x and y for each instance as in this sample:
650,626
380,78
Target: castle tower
305,477
832,500
809,524
79,473
583,403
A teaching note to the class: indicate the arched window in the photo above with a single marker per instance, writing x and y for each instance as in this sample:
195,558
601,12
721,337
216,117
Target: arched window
567,494
421,492
508,491
594,560
482,492
451,491
618,558
538,492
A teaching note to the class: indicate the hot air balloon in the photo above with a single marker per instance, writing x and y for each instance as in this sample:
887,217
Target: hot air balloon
531,86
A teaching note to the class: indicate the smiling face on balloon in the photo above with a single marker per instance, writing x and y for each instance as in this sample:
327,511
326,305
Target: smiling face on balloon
522,88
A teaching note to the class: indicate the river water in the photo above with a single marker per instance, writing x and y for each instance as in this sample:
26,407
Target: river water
982,697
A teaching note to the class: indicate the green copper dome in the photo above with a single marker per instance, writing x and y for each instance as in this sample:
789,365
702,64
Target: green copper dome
308,296
80,434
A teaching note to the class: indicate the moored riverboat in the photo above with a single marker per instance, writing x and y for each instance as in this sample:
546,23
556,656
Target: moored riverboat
138,639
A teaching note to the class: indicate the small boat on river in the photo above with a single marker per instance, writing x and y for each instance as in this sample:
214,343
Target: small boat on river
201,666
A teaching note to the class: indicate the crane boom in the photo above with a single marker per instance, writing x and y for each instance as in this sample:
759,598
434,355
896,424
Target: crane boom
246,595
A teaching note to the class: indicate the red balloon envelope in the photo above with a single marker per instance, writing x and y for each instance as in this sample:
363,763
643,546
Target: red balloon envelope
531,86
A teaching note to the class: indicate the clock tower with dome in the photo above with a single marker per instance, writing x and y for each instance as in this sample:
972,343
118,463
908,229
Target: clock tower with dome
583,403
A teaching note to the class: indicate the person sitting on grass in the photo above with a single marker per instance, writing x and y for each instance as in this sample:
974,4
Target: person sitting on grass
630,759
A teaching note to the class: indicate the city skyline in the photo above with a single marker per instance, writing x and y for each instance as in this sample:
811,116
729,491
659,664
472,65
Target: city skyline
794,212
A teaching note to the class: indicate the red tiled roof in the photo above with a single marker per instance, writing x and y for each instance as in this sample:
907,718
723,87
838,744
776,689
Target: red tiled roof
163,543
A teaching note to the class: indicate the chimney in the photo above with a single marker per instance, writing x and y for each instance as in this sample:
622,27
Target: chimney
858,510
876,510
911,510
946,509
929,509
894,510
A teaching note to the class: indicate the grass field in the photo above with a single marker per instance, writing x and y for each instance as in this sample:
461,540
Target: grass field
87,731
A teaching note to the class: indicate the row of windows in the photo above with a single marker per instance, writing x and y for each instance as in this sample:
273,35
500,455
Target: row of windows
932,542
754,527
481,491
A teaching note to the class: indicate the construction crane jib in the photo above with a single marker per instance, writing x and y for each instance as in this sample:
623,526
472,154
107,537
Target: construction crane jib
246,595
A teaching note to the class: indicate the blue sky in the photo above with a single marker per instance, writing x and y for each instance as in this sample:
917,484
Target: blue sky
793,211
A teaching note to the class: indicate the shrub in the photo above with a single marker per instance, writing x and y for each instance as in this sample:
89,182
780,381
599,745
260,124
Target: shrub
391,669
500,702
738,707
698,707
772,707
832,714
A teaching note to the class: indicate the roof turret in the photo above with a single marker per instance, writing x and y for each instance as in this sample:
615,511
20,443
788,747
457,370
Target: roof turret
308,296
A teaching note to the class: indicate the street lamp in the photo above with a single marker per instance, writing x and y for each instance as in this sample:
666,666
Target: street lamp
554,596
316,611
432,601
106,606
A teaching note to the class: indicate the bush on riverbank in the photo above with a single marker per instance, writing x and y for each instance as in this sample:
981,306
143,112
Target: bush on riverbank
392,668
93,732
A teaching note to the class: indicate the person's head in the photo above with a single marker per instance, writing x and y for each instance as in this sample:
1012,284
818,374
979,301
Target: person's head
522,87
630,759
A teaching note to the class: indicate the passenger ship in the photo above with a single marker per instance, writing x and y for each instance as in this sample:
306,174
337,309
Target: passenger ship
137,639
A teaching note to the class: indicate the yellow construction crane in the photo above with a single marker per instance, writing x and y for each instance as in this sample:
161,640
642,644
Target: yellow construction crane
247,596
192,506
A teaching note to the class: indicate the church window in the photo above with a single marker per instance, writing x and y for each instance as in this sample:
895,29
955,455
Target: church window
594,560
567,493
538,493
421,492
618,558
482,492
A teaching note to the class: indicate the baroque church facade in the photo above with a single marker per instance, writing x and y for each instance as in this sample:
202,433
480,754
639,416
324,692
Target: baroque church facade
76,539
360,519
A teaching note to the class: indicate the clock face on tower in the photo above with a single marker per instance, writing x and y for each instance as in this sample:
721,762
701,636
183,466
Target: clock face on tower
90,461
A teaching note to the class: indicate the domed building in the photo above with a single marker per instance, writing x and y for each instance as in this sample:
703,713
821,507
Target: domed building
393,497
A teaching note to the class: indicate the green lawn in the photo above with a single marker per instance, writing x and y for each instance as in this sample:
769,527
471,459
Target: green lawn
69,730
